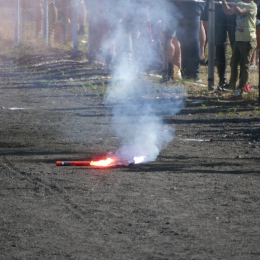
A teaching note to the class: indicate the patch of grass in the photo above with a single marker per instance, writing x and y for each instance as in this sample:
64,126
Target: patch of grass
90,85
256,111
84,87
102,89
204,106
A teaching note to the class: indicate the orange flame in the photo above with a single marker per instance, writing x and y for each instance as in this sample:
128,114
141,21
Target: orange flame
103,163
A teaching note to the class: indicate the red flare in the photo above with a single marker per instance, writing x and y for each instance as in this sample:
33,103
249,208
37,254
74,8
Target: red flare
72,163
102,163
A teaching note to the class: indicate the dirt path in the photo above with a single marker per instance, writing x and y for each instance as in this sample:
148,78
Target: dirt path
198,200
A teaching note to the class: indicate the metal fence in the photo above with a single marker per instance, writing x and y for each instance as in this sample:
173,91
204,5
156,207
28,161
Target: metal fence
59,22
31,21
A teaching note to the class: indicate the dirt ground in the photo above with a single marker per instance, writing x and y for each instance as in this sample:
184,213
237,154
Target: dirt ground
199,200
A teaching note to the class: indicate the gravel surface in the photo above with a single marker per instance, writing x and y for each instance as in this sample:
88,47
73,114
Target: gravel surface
200,199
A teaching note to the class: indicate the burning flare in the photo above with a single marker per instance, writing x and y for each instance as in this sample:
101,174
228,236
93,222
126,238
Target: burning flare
103,163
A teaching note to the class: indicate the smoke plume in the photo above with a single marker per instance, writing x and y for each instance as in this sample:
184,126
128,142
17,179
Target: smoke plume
139,104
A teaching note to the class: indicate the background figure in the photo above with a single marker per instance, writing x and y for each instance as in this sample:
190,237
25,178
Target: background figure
63,29
96,26
255,57
188,35
82,17
53,18
35,13
225,26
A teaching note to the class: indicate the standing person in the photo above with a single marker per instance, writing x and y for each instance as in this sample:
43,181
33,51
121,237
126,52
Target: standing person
188,35
225,27
36,12
245,41
96,27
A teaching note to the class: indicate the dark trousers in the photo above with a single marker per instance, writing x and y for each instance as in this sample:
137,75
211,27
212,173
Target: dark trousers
188,35
225,26
241,56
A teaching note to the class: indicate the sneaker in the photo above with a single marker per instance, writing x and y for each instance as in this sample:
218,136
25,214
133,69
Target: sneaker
197,80
253,67
237,92
229,87
226,88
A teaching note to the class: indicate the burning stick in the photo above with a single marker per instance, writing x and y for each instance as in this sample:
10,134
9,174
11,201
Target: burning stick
106,162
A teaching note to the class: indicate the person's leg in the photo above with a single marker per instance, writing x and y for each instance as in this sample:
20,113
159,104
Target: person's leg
235,59
258,36
38,17
231,28
221,44
82,14
253,60
202,43
174,57
189,39
246,50
177,54
171,51
53,17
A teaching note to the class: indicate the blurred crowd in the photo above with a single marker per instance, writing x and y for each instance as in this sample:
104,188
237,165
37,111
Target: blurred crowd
140,29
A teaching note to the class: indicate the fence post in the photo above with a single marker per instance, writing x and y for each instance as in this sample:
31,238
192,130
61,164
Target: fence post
75,27
211,44
259,78
46,21
17,22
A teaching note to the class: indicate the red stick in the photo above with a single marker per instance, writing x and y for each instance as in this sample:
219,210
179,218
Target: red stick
72,163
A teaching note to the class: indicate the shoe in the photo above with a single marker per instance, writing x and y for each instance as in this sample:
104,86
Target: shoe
253,67
203,62
226,88
197,80
238,92
229,87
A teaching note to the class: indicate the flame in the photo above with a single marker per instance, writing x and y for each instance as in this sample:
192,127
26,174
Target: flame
103,163
139,159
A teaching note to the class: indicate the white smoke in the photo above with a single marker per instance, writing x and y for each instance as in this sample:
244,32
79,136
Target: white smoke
137,114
